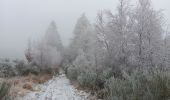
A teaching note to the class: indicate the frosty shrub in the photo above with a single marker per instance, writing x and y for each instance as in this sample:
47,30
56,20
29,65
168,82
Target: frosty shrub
87,79
4,91
20,66
103,77
138,86
25,69
66,65
72,73
6,70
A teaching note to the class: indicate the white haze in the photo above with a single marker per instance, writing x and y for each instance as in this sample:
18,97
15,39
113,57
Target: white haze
23,19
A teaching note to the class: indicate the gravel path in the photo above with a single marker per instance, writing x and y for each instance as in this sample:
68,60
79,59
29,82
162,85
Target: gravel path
58,88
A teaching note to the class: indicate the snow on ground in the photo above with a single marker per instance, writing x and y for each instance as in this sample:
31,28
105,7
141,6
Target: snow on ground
58,88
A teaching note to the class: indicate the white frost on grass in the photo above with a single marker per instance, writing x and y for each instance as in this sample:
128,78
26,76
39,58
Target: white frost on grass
58,88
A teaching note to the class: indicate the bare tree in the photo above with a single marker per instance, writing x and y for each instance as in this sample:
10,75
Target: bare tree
28,52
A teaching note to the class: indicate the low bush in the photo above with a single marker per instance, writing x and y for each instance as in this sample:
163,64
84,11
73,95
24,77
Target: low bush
102,77
25,69
52,71
6,70
65,66
4,91
72,73
138,86
87,79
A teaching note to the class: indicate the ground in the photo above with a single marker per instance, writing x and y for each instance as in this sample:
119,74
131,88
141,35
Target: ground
58,88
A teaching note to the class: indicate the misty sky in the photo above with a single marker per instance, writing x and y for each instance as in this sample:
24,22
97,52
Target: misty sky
23,19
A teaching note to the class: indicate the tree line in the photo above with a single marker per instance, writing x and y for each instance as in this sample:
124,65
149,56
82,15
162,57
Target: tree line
122,56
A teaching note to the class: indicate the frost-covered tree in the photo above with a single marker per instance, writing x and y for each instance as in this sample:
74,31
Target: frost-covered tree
165,50
104,44
46,56
82,48
114,33
149,32
131,37
47,53
119,26
81,36
52,38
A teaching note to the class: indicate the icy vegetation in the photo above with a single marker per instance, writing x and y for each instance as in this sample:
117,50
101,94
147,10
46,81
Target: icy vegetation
47,53
105,57
124,55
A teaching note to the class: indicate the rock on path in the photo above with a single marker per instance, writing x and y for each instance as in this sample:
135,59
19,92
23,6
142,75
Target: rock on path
58,88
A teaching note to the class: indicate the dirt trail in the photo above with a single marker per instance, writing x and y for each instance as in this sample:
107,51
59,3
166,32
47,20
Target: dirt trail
58,88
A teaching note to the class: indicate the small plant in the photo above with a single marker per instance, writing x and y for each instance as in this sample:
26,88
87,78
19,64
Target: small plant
4,91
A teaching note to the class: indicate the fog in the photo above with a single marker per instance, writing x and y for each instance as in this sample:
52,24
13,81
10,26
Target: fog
23,19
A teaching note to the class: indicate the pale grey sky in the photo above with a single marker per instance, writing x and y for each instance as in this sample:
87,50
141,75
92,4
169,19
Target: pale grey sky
22,19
